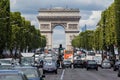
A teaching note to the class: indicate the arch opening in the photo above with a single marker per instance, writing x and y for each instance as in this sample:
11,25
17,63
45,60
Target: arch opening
58,36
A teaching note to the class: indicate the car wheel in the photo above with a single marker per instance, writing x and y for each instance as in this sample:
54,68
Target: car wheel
43,71
96,69
55,71
118,75
114,69
74,66
87,69
102,67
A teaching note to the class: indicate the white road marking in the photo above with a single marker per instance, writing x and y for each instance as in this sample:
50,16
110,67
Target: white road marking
61,78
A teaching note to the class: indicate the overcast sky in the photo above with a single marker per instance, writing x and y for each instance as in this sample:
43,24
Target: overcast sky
90,11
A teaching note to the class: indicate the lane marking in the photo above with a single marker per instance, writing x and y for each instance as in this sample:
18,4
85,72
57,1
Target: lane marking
62,75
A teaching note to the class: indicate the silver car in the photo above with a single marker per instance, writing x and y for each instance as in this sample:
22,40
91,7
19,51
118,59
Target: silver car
106,64
49,66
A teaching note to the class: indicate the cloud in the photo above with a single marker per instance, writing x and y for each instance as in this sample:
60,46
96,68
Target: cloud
30,8
92,21
33,6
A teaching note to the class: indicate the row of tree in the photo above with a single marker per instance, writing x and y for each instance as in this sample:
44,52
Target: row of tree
16,33
107,33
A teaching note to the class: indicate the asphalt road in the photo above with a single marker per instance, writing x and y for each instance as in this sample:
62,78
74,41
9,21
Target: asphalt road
83,74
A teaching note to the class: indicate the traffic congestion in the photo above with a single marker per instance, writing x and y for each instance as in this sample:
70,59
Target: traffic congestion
54,65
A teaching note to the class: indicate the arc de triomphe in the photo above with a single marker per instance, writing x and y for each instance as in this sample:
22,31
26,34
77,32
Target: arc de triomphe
67,18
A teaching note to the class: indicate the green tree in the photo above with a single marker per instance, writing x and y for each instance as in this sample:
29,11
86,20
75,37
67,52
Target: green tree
5,29
117,22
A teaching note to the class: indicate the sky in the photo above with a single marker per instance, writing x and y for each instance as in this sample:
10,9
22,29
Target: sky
90,12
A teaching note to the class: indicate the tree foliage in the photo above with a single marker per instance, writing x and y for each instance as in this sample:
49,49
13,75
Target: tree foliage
5,29
107,33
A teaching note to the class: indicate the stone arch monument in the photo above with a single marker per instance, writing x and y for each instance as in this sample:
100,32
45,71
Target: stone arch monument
67,18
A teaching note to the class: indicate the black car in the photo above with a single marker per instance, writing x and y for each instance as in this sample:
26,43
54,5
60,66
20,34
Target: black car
116,66
91,64
78,63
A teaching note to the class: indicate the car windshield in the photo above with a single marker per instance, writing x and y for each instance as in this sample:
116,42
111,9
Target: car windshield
10,77
29,72
27,60
5,61
67,61
106,61
49,63
76,61
91,62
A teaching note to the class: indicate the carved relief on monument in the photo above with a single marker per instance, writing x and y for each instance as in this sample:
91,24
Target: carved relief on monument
72,26
53,25
71,37
44,26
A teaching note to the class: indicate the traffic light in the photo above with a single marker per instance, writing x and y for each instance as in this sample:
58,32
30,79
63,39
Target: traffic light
60,52
60,46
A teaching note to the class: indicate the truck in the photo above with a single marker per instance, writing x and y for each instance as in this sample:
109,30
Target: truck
98,59
68,55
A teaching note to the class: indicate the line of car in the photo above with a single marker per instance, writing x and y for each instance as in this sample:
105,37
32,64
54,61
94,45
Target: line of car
9,70
50,65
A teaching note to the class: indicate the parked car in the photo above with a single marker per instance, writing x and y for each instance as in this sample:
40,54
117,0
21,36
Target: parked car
49,66
106,64
32,73
12,75
78,63
67,64
91,64
116,66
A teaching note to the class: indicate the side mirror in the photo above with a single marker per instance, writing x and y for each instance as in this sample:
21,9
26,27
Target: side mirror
43,76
